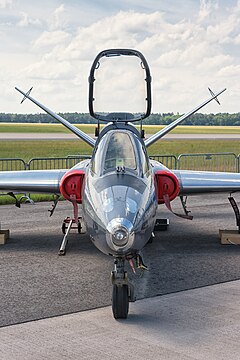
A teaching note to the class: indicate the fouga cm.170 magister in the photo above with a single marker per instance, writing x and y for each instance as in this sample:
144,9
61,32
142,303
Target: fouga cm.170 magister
119,187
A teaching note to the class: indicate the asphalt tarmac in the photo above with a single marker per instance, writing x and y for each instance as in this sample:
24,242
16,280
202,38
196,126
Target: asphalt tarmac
36,283
196,324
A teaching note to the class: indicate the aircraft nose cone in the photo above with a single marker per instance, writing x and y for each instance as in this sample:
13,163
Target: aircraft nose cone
120,232
120,236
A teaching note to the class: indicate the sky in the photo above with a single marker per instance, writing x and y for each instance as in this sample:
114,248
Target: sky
190,45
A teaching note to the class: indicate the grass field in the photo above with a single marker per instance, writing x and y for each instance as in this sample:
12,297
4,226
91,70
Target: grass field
41,148
59,148
182,129
42,128
149,129
55,148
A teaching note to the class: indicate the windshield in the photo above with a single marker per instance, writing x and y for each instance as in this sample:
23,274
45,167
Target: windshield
120,152
117,150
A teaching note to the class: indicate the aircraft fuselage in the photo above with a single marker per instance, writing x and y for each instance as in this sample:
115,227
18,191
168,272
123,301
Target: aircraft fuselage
119,201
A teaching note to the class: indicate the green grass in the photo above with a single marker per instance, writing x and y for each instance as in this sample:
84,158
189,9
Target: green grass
42,128
182,129
6,199
89,129
60,148
27,150
177,147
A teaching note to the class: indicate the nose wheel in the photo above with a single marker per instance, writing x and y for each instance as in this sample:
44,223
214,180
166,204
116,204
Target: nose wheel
120,301
122,292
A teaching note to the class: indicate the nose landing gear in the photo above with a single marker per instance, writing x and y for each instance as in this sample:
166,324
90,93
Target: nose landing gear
123,291
120,301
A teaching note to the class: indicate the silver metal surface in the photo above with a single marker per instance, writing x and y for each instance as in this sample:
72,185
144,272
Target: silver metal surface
62,249
152,139
40,181
197,182
112,198
124,225
90,141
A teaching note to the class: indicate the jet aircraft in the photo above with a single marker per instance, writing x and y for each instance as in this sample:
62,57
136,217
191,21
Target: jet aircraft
120,188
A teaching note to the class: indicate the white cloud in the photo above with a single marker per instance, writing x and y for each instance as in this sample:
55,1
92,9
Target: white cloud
47,69
230,71
51,38
216,62
59,19
186,56
5,3
206,8
27,21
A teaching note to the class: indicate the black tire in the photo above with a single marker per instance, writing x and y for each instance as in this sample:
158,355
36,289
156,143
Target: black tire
120,301
64,228
79,227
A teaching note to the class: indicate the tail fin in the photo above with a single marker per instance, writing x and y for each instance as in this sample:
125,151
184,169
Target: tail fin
214,96
90,141
175,123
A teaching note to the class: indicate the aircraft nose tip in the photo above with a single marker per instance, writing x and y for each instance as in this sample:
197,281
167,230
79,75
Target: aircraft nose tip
119,223
120,233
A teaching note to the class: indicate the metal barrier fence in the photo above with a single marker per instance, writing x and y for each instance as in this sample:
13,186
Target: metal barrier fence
55,162
170,161
11,164
208,162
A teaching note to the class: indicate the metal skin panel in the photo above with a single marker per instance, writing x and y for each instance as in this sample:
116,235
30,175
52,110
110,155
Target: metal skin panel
125,199
121,202
198,182
40,181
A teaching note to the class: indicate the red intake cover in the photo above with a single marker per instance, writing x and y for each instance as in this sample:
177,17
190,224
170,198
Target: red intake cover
166,183
71,184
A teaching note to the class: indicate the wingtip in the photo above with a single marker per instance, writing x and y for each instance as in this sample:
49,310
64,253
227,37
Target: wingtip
214,96
25,95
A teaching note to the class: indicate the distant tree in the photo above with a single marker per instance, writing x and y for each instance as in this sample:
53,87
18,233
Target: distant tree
220,119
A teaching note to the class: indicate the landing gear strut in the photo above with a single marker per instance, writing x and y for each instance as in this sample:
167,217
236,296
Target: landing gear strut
122,292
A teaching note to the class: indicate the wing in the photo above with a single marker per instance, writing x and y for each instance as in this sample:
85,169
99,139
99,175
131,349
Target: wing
38,181
199,182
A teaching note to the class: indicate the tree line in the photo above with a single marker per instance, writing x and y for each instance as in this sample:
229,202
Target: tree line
220,119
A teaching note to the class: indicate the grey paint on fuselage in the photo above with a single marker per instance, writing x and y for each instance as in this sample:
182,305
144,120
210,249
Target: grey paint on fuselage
122,195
